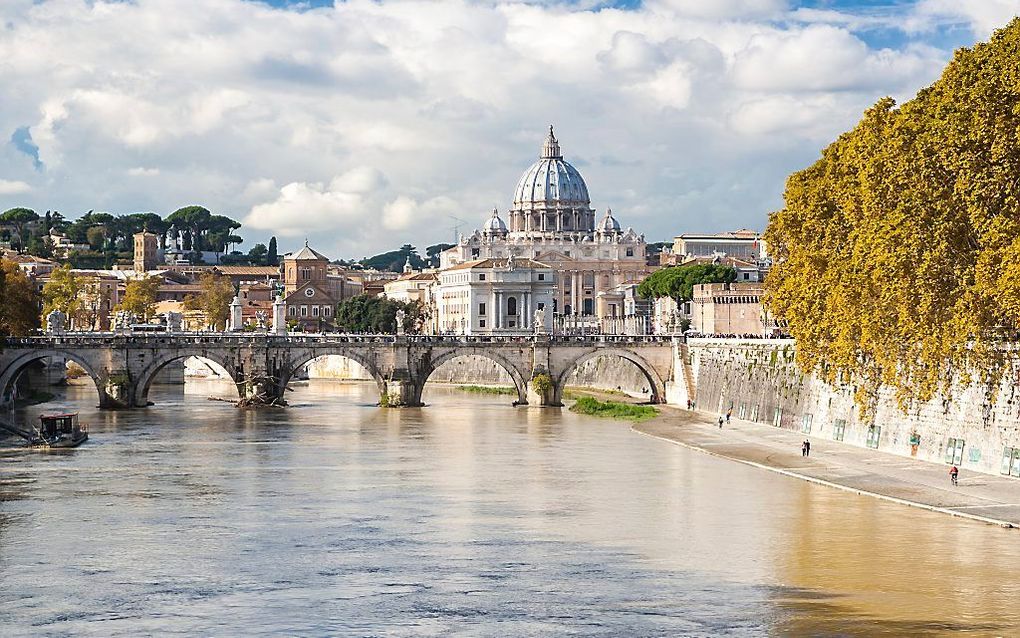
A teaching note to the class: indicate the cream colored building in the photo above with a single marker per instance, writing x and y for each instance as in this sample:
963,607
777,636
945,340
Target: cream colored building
495,297
551,221
728,309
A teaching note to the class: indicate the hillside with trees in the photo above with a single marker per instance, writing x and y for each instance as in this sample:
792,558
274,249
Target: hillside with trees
897,254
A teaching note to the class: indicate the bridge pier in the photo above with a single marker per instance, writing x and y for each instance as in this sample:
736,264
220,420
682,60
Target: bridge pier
401,393
116,391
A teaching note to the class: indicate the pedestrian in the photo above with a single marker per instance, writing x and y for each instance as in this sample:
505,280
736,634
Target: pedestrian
720,421
729,413
807,447
804,448
954,474
689,404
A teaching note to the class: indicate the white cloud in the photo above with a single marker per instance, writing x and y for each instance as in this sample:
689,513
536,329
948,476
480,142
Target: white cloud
141,171
368,124
8,187
981,16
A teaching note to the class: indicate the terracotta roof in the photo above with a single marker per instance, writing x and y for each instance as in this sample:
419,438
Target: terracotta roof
416,276
306,254
519,262
258,271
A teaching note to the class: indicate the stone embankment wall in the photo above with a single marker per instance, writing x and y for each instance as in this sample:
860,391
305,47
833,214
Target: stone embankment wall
760,381
606,373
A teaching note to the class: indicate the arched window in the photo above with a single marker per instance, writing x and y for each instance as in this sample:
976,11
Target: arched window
511,306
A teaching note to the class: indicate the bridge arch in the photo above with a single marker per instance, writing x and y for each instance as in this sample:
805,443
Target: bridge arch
15,369
148,374
296,363
656,383
519,378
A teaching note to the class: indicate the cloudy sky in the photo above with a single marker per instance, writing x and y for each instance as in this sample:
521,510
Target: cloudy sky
364,125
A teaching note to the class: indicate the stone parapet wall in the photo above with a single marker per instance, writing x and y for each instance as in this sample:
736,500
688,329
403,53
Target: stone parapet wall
760,381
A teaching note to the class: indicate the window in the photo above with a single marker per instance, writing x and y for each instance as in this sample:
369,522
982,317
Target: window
292,311
589,306
481,309
954,451
874,434
1011,461
630,252
481,277
511,307
304,311
541,276
839,430
326,311
541,306
315,311
747,276
474,252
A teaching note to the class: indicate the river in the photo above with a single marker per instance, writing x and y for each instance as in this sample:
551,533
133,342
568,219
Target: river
467,517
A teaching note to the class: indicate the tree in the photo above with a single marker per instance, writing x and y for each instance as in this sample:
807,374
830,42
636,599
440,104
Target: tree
96,237
678,282
64,292
273,258
366,313
394,260
19,218
897,253
432,253
19,301
140,297
214,300
258,254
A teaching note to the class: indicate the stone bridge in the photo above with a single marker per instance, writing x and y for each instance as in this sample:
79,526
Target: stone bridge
124,366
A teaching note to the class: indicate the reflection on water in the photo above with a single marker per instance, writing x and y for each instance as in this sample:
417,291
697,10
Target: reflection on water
468,516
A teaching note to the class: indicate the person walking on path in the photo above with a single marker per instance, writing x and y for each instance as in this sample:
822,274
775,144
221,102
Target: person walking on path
805,448
729,413
954,474
720,421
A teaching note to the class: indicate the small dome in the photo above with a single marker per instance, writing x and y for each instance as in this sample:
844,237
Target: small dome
609,223
494,225
550,182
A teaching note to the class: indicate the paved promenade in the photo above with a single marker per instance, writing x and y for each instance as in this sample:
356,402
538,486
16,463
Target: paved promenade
982,497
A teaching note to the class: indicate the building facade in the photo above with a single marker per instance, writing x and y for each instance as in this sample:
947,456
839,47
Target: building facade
495,297
306,289
552,222
728,309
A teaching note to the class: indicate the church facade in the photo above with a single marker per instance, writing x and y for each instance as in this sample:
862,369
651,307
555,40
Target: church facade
551,221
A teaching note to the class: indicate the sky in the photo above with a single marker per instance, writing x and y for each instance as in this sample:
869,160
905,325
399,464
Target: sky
365,125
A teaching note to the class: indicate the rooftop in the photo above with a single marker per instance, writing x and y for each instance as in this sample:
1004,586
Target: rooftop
521,262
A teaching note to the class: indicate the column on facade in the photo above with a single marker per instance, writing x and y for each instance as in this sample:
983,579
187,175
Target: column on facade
497,309
525,309
576,290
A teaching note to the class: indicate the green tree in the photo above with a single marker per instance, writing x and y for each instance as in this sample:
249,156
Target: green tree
273,258
214,300
18,218
897,253
365,313
19,301
258,255
140,297
678,282
432,253
394,260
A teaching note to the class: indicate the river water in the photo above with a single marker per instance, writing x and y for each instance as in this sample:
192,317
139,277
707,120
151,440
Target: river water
467,517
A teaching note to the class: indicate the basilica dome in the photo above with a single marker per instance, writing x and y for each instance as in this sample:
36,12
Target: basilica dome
494,225
550,182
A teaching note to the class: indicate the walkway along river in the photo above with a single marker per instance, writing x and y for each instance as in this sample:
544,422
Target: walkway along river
335,516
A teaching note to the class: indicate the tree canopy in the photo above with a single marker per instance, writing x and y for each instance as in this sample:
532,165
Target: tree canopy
367,313
140,297
394,260
677,282
214,300
897,254
19,301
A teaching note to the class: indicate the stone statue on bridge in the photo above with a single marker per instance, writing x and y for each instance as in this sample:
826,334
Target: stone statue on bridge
56,322
400,321
174,321
261,320
123,320
540,321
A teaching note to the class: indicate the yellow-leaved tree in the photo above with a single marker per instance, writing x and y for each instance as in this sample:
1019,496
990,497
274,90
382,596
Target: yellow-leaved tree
897,254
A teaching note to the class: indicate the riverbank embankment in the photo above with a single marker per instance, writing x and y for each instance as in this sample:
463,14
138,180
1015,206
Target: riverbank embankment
980,497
